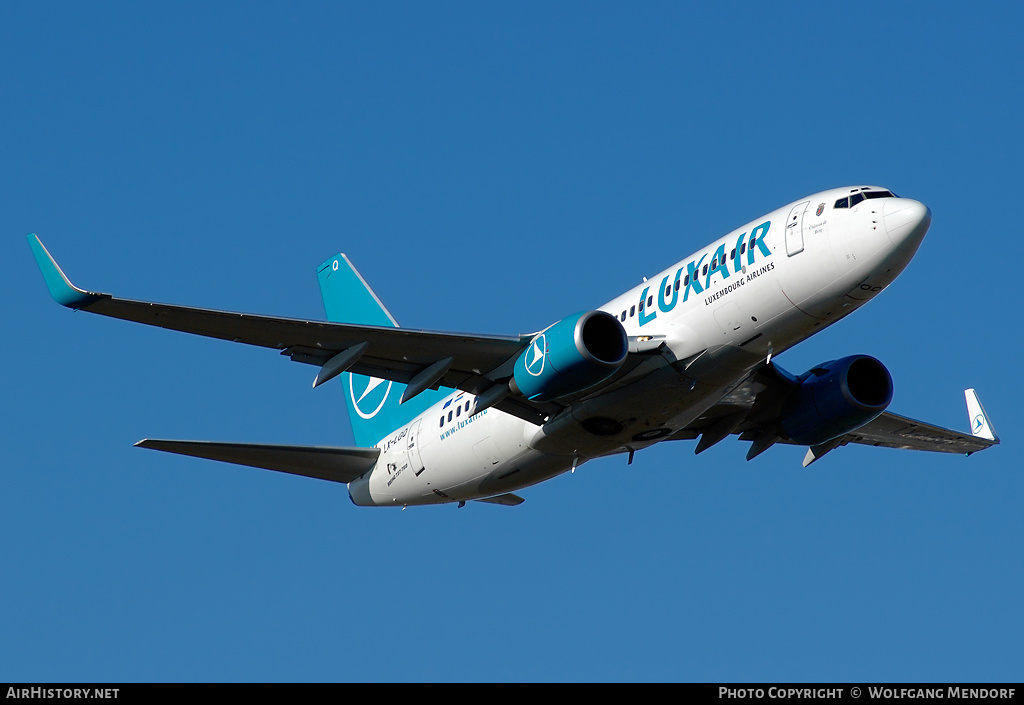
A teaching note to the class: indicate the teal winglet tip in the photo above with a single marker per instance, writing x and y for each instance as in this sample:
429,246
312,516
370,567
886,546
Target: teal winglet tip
61,289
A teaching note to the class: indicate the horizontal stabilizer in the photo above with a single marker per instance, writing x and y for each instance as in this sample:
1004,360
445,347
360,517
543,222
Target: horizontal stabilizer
324,463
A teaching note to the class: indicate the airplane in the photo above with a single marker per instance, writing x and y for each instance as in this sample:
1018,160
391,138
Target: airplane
687,354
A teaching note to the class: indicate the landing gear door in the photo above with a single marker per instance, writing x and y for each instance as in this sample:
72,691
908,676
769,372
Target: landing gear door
795,229
413,447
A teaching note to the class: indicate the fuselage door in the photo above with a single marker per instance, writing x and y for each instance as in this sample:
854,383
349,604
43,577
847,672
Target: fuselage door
795,229
413,447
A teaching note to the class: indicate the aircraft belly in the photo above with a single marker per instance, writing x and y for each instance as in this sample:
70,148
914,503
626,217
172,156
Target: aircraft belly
528,469
649,409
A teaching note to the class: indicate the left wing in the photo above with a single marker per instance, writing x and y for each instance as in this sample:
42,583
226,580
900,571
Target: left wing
894,431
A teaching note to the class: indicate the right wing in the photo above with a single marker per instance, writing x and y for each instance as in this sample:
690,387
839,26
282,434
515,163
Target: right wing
397,354
478,364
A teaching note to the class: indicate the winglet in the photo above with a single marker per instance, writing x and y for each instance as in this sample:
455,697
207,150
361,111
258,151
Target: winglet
980,424
61,289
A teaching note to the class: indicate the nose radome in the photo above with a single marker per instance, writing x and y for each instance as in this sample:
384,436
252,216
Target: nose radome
906,221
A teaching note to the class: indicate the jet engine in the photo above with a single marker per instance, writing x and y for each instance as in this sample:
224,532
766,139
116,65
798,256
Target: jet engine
572,355
836,398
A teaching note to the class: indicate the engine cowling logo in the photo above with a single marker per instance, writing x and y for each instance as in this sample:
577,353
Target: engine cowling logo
536,356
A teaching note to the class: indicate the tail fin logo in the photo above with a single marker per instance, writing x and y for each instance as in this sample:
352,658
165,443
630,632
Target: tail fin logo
373,392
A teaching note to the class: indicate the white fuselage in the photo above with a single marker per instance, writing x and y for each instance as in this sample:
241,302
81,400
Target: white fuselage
723,311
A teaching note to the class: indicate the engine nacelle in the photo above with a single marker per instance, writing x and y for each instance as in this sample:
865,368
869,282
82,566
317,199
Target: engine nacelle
572,355
836,398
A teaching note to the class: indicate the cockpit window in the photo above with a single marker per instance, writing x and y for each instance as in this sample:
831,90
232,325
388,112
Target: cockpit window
856,198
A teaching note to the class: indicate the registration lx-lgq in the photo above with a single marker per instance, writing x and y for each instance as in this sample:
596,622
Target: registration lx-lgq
686,355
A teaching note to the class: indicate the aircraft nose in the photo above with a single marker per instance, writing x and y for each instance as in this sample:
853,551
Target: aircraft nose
906,221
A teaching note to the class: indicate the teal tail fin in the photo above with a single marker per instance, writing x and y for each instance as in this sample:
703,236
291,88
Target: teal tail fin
373,406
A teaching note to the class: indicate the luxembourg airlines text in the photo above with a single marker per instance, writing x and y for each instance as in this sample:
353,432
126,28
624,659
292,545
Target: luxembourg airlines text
737,284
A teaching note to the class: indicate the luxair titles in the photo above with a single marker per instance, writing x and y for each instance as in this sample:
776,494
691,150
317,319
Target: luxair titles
719,264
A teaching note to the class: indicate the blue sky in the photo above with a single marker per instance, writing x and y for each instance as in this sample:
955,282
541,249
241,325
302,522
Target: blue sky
492,169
